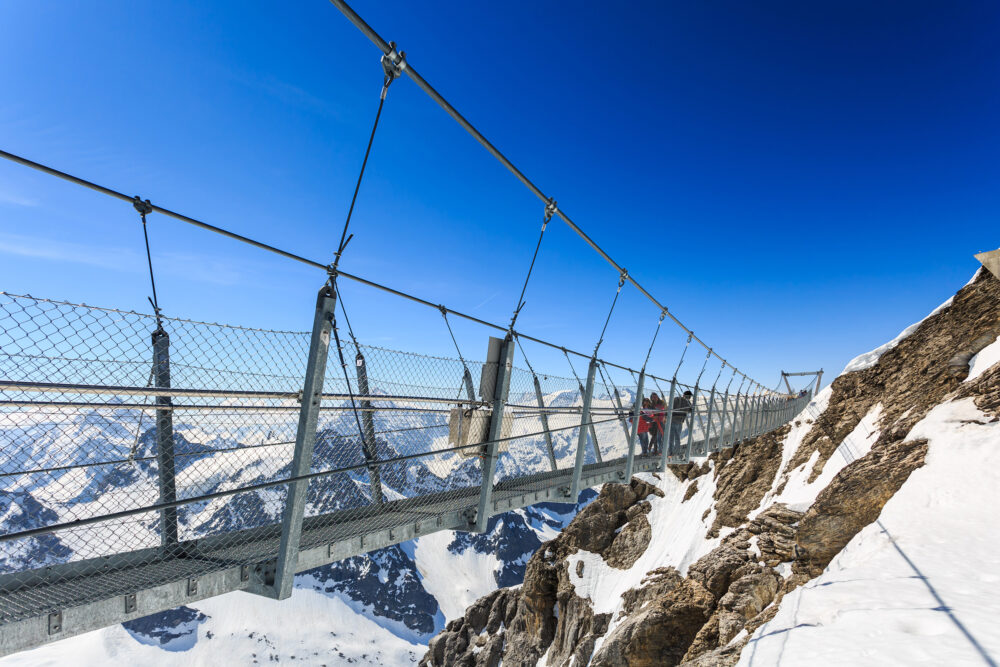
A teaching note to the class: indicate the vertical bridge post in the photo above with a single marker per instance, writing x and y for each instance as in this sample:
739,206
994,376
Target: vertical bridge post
368,424
634,431
305,441
722,426
581,442
736,416
500,356
593,431
165,460
691,417
667,456
707,446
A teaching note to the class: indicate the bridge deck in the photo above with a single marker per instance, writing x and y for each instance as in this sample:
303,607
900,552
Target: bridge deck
63,600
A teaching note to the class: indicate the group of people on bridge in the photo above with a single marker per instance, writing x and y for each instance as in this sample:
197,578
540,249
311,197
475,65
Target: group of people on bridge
653,427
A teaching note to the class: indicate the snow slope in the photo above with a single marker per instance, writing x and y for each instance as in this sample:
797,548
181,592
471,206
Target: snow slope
922,584
243,629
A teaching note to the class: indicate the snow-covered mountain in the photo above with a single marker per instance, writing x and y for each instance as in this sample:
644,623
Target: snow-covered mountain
403,594
863,533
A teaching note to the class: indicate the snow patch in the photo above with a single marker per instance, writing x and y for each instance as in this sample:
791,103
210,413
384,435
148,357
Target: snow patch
869,359
798,493
240,629
986,359
454,580
919,586
679,539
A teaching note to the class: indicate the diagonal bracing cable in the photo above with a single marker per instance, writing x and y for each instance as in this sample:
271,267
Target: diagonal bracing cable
467,376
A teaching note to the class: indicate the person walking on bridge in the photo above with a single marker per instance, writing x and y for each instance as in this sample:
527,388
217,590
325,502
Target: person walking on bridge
656,423
682,408
645,419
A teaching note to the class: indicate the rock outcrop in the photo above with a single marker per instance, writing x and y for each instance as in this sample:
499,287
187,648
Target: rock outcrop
909,379
705,617
545,615
853,500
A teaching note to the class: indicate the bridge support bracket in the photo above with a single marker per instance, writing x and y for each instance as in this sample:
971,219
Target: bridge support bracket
55,622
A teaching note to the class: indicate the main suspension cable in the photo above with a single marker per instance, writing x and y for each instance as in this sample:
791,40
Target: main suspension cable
101,189
389,48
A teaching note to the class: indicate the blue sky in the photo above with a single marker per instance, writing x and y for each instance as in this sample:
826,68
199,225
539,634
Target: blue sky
797,181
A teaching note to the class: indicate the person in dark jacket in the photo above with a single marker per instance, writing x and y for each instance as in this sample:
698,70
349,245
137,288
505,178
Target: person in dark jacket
682,408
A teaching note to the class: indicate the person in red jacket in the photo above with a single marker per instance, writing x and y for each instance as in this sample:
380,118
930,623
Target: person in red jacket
645,420
656,422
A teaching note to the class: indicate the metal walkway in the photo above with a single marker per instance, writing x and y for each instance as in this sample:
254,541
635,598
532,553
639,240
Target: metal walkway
137,475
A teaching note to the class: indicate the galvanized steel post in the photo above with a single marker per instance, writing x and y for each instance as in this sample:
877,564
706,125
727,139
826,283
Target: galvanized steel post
634,431
736,417
722,426
490,456
305,441
593,431
368,423
707,446
621,411
581,443
165,438
666,456
690,419
545,422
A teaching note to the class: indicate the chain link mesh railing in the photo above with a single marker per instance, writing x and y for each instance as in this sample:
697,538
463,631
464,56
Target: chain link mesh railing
136,451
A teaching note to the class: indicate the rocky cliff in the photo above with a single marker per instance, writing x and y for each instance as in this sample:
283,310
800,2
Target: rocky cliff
684,568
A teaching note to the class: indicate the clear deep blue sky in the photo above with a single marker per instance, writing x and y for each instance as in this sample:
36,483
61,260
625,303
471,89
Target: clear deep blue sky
797,181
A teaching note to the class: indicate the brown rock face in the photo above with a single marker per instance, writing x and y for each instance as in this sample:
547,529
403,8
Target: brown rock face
853,500
629,544
660,632
909,379
545,615
745,477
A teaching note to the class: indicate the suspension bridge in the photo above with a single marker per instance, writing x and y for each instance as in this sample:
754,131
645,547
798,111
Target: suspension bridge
150,461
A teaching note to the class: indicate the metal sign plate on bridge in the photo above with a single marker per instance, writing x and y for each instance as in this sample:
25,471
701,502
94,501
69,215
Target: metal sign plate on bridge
148,464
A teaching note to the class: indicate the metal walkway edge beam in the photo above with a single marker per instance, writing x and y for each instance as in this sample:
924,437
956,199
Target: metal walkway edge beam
324,539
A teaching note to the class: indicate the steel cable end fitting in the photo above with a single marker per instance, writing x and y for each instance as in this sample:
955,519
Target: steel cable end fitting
550,210
142,206
393,63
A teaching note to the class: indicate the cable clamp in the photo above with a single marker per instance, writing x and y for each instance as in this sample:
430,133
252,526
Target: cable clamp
142,206
550,210
663,314
393,63
622,278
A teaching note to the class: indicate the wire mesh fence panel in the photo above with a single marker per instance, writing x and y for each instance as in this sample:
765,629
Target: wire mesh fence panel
137,450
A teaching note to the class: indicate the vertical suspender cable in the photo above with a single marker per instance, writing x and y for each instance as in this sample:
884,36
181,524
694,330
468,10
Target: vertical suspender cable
621,282
550,209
